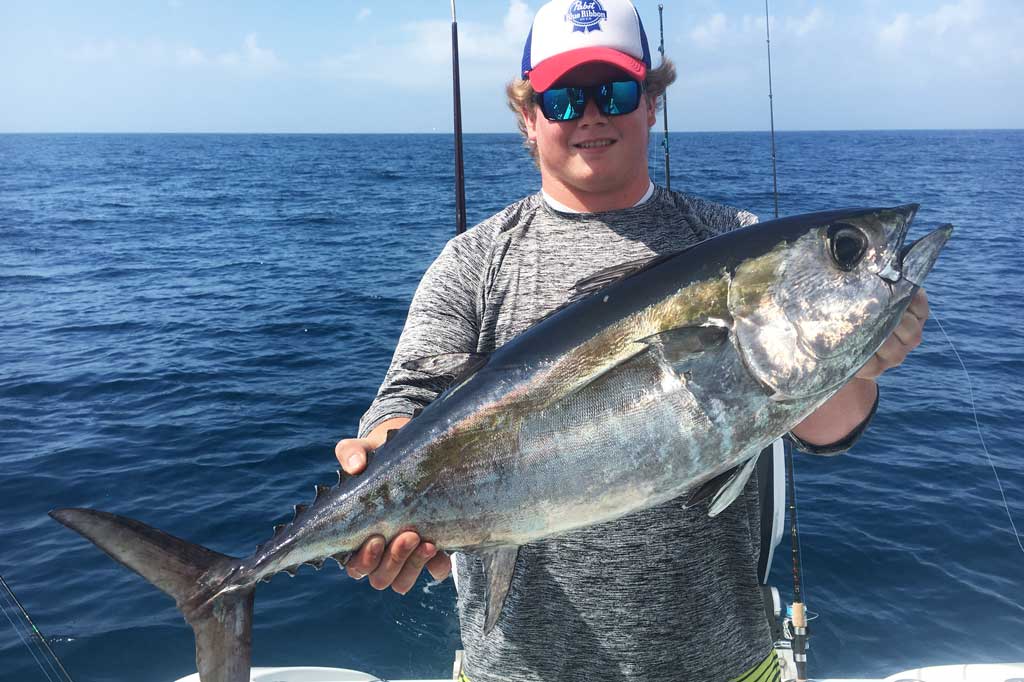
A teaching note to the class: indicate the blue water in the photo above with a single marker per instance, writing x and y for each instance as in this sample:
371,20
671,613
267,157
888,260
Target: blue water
190,322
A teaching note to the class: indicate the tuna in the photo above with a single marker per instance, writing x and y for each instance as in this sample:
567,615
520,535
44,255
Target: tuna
659,379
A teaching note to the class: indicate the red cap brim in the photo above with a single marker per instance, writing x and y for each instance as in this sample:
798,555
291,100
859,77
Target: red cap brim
545,74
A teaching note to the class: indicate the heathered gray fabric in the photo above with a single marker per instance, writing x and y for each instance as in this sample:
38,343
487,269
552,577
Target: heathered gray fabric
664,594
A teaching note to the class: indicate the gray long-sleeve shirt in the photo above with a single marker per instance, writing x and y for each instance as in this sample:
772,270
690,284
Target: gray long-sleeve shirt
663,594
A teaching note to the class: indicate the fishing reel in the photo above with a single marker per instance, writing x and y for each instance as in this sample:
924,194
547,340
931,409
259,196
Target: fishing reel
790,635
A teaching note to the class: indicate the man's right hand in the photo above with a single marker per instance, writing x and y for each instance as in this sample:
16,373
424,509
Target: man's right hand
396,564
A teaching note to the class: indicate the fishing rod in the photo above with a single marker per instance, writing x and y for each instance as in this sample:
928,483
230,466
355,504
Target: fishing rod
460,180
798,617
664,98
36,634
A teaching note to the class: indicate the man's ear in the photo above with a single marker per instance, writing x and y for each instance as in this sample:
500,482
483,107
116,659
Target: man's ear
529,115
652,110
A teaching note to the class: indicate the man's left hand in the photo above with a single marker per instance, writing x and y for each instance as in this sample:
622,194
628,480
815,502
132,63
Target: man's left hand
905,338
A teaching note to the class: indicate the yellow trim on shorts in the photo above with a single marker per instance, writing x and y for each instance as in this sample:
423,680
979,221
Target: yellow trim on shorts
766,671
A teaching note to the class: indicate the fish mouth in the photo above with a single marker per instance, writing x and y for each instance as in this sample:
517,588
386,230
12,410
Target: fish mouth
911,263
897,222
917,259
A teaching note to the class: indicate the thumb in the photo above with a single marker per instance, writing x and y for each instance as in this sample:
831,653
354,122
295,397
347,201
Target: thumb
351,454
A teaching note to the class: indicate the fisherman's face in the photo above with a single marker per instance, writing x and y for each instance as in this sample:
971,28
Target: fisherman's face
597,159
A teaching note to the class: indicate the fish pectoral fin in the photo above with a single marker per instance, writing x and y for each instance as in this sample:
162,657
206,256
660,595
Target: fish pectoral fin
499,566
723,489
678,344
457,365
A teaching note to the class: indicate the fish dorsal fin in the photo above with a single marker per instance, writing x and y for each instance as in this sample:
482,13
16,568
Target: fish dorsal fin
616,273
499,565
341,558
606,277
300,509
315,563
321,490
723,489
457,365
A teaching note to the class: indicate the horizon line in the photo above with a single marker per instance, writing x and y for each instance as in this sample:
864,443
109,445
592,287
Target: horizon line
501,132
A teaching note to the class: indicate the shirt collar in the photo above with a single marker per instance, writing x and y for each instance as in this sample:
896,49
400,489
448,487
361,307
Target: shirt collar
562,208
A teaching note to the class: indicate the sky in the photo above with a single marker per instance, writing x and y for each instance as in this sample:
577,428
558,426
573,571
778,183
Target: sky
364,66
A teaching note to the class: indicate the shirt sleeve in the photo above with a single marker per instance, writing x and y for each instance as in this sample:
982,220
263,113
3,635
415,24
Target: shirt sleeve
844,443
444,317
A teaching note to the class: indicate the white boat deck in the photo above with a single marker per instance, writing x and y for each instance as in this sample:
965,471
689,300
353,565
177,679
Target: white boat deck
979,672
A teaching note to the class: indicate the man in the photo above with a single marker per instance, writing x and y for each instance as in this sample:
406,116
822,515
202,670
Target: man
664,594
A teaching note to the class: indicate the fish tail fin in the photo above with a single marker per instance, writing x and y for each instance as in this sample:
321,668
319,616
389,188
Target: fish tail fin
219,612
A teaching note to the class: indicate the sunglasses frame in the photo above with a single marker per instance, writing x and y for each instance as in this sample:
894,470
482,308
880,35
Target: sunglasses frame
591,93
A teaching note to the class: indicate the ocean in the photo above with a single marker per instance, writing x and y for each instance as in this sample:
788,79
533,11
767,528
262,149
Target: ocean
190,323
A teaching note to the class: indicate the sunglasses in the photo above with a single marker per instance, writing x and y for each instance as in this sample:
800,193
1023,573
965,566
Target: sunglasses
612,99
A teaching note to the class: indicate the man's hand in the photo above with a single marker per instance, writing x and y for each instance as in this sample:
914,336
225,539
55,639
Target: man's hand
398,564
905,338
838,416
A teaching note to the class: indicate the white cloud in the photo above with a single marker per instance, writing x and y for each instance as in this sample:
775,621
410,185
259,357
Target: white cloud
488,53
260,57
894,33
972,36
94,52
518,19
802,26
964,18
252,60
959,16
189,56
709,33
363,13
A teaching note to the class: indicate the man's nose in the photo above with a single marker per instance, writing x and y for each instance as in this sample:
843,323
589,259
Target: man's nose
592,113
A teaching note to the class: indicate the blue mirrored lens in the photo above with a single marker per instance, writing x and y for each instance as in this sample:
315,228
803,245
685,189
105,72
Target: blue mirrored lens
563,104
621,97
612,99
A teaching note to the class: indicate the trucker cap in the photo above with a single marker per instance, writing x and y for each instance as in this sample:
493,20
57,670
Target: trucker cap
568,33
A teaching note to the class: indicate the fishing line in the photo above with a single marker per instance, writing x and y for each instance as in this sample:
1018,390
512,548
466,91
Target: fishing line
17,631
13,599
977,424
28,646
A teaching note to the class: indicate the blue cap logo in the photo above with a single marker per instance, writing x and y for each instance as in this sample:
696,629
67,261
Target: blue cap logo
586,15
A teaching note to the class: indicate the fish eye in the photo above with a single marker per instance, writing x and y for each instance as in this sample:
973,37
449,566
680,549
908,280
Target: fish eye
847,244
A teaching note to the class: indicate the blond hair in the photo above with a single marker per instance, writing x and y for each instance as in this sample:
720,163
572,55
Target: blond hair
521,96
